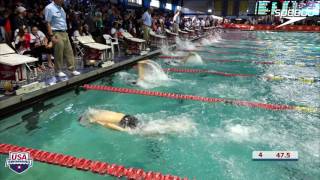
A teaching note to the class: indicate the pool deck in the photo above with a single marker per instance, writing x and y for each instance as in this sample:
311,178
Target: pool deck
13,103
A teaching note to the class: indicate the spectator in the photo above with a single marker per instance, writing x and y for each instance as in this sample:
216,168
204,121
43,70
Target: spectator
202,23
57,30
30,19
20,19
99,23
22,41
7,27
2,29
40,45
115,30
147,22
207,22
82,31
160,29
176,21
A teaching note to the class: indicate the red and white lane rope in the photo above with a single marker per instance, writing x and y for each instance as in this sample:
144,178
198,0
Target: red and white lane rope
83,164
276,107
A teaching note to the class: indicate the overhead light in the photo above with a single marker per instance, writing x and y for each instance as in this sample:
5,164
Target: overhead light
209,10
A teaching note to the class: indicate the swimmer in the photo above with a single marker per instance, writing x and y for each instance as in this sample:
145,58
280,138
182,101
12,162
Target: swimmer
274,77
141,68
191,57
140,72
172,62
113,120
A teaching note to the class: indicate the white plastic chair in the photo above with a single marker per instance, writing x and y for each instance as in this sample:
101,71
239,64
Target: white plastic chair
112,42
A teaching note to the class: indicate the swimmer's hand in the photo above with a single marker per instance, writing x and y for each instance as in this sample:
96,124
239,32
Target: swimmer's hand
114,127
144,61
185,59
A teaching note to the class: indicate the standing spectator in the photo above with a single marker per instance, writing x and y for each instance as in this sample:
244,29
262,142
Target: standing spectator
57,30
7,27
207,22
90,22
98,23
2,30
40,21
202,23
147,22
176,21
30,19
20,20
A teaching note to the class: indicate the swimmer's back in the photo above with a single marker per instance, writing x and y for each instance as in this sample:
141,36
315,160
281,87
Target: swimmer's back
107,116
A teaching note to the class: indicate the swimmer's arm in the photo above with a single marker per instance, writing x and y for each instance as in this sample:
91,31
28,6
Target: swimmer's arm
184,60
141,71
114,127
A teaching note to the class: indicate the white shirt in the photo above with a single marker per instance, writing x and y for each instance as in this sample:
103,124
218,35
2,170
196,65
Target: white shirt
76,33
203,23
147,20
56,16
113,31
37,38
176,18
197,23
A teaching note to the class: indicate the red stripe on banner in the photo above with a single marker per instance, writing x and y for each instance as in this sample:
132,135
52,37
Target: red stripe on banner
272,27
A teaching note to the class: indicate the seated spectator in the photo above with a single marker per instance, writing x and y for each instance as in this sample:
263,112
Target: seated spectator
90,55
22,41
40,45
82,31
116,30
160,29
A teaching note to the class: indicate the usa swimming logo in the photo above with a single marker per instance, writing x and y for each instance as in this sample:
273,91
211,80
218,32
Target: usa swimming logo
19,162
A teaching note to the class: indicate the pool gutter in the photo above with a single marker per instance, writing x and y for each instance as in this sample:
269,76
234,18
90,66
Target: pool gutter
11,105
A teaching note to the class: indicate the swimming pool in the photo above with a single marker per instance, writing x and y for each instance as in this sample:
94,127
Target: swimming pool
189,138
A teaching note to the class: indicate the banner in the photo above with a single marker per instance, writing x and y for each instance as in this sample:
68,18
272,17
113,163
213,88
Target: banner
260,27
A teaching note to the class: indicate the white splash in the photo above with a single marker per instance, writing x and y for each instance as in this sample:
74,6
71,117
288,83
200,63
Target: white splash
185,44
171,125
165,50
194,59
128,78
239,132
154,76
211,40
